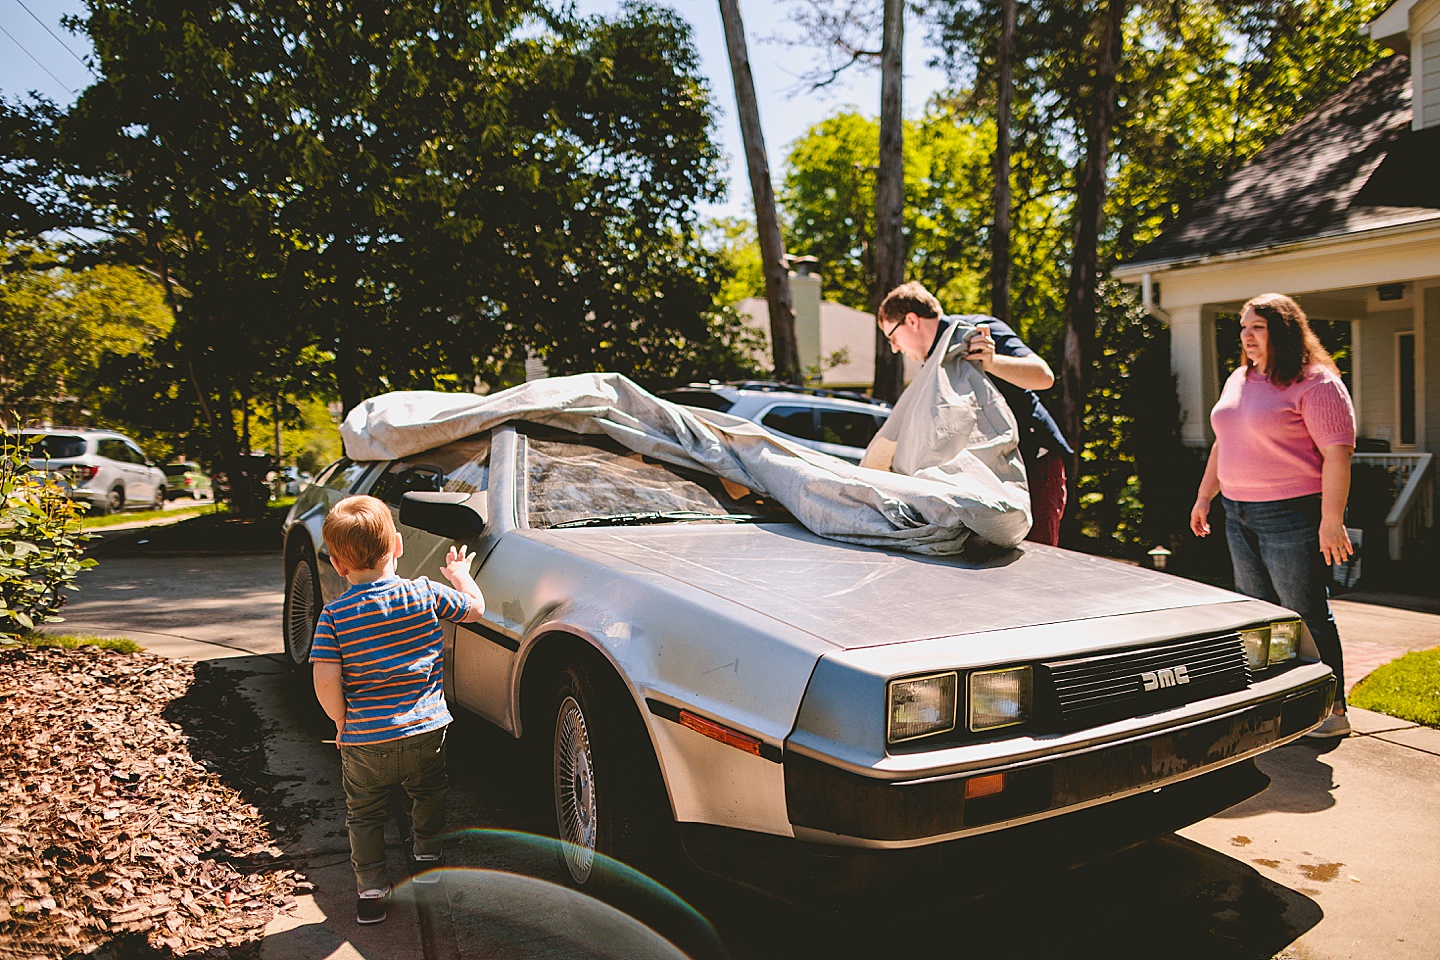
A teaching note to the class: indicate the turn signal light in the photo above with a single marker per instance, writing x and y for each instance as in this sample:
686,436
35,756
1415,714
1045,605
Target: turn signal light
715,731
986,786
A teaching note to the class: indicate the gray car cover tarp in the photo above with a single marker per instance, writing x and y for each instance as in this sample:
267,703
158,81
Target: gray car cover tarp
986,495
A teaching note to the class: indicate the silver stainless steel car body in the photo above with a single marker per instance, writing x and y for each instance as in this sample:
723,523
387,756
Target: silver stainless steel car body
757,656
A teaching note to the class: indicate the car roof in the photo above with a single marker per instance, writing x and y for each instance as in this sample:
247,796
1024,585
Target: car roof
70,431
805,396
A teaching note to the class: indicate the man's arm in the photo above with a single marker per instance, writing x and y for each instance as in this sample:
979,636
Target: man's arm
330,692
1029,372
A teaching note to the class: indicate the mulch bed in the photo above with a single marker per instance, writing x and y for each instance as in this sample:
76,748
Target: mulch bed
119,835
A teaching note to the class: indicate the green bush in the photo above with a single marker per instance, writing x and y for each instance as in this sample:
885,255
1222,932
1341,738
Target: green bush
40,543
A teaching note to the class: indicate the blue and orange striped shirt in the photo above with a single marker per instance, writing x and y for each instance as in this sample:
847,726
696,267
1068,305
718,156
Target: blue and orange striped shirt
386,637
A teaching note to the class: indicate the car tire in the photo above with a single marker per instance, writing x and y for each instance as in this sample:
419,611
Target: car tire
114,500
303,602
609,801
159,502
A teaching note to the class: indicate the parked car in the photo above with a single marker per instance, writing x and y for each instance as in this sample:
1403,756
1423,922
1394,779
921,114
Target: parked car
839,423
288,482
106,470
186,479
687,663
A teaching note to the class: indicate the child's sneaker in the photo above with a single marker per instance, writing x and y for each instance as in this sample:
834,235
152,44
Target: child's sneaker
371,906
424,867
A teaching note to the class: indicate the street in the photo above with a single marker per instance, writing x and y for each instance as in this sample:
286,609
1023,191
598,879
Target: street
1339,858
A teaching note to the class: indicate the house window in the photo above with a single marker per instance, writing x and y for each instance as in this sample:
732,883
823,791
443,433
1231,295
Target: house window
1335,336
1405,387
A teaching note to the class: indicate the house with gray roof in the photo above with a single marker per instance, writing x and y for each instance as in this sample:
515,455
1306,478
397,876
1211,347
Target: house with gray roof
1342,213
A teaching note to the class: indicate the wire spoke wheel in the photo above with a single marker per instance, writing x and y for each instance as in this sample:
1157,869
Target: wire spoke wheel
302,610
574,778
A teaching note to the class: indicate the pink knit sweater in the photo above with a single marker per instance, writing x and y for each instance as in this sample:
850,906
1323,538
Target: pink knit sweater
1268,438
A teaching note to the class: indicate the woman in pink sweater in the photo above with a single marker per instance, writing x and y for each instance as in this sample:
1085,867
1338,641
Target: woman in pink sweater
1284,432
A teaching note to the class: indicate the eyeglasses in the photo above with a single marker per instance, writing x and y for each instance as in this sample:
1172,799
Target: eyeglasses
890,334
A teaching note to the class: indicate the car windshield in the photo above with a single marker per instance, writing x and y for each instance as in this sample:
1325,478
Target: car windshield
596,482
58,446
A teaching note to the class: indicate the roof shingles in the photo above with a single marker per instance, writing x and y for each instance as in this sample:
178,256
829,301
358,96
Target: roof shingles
1307,184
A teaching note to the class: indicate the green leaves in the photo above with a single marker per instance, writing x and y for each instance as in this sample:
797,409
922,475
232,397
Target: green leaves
59,324
39,541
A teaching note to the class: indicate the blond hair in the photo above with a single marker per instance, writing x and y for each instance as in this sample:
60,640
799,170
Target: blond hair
359,532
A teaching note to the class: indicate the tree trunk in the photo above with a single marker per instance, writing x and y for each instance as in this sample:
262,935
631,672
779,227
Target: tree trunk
890,194
1000,235
767,221
1089,221
347,359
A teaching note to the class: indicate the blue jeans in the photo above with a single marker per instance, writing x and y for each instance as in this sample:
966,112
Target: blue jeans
1275,548
370,772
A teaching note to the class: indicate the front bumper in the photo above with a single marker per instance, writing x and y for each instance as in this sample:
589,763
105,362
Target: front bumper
816,873
829,805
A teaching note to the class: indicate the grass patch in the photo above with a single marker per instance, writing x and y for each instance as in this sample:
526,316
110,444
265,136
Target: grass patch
1407,688
74,641
140,516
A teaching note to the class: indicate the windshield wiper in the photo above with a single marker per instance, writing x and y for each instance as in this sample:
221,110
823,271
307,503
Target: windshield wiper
638,519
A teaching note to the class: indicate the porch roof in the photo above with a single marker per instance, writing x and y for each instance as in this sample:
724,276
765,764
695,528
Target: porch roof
1327,176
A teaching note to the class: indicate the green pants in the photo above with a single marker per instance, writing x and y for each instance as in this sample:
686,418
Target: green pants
371,772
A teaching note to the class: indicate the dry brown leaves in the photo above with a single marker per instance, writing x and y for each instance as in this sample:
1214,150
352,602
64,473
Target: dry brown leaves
108,825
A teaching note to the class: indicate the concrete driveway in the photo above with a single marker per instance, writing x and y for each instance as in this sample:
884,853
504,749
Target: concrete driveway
1340,858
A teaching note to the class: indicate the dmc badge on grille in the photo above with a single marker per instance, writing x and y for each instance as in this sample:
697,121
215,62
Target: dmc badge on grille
1164,677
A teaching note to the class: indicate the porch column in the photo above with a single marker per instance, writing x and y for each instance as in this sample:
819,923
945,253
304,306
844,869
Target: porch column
1192,360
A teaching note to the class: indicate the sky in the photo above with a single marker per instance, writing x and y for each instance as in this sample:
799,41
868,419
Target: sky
36,53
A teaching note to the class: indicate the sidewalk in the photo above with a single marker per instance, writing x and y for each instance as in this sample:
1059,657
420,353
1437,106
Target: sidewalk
1374,633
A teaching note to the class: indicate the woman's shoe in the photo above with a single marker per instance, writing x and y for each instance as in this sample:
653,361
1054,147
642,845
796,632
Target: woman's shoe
1335,725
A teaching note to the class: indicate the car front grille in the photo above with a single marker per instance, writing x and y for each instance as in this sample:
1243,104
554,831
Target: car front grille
1098,689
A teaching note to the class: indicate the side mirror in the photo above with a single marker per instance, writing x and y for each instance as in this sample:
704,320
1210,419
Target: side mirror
458,516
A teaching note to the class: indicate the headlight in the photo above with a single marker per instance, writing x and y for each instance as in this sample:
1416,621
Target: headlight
1284,640
1275,643
921,706
1000,698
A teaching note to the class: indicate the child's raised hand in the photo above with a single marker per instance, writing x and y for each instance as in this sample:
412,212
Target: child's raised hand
457,564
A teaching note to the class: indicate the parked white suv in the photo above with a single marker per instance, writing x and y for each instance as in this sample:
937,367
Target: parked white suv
107,470
839,423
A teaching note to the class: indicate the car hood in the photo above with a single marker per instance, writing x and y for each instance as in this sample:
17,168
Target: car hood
859,596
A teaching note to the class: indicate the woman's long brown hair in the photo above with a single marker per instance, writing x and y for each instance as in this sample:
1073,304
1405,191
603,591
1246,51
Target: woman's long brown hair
1293,345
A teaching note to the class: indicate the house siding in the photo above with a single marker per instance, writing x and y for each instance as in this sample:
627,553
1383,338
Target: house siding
1430,383
1430,79
1375,408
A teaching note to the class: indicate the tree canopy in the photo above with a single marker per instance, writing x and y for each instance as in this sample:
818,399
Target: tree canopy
58,326
368,196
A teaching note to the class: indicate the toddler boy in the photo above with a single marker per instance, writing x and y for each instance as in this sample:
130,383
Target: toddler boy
377,659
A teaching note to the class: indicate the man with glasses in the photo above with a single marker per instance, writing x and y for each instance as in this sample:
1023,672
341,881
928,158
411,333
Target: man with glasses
912,321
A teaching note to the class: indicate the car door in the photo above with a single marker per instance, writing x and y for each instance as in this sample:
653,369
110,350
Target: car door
148,478
459,467
118,467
